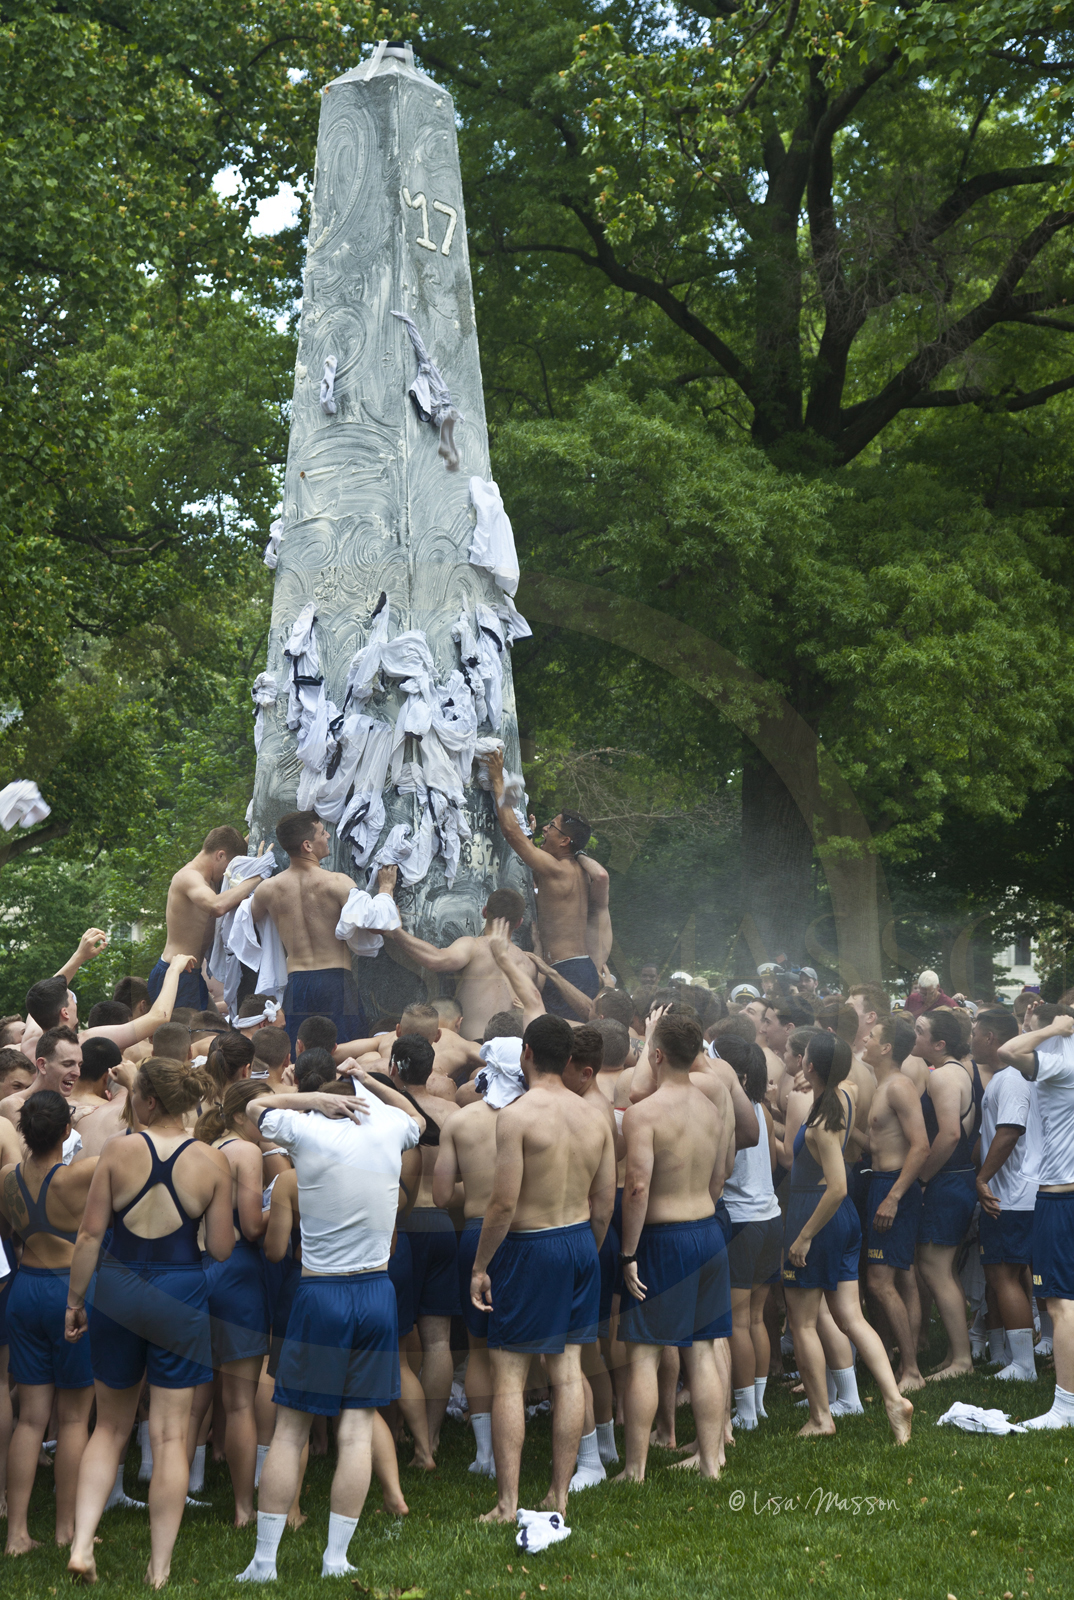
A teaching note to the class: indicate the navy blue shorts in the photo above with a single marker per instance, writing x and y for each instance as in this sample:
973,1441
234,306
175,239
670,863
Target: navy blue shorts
894,1246
580,971
192,991
755,1253
37,1302
723,1217
948,1208
477,1322
683,1266
150,1321
1007,1238
238,1304
545,1290
833,1253
328,993
281,1298
434,1262
401,1272
858,1184
1053,1246
610,1280
342,1347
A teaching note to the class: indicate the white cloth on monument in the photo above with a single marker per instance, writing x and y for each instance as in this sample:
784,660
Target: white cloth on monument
429,392
364,670
501,1080
272,549
409,851
514,785
481,652
265,954
363,817
223,964
976,1419
329,404
493,543
362,916
264,693
308,711
21,805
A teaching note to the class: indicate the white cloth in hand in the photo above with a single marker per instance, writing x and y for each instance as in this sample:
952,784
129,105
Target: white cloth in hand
361,916
501,1080
21,805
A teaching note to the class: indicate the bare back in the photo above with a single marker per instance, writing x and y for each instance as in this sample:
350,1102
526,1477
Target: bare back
563,1139
473,1134
688,1142
305,905
481,988
430,1105
191,927
562,907
65,1202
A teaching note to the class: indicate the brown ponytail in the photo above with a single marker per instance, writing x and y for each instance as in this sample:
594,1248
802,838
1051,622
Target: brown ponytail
830,1058
225,1117
228,1056
174,1085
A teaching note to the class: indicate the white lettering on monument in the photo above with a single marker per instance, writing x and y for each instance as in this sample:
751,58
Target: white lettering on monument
419,203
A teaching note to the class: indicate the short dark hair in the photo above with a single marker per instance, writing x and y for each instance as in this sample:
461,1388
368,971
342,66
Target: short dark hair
425,1015
576,828
616,1041
171,1042
737,1027
503,1025
748,1063
131,992
5,1024
203,1022
615,1003
98,1056
793,1013
875,996
45,1000
224,838
314,1068
294,829
506,903
413,1057
587,1048
317,1033
272,1046
550,1040
12,1058
899,1034
1001,1024
254,1005
947,1029
45,1048
43,1121
108,1014
680,1039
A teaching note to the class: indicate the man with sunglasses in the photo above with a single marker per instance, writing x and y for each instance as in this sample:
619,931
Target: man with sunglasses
566,891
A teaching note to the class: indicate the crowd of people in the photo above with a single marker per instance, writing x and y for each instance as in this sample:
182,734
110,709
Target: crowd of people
229,1222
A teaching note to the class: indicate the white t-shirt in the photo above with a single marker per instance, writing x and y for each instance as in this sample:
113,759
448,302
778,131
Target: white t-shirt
1011,1101
348,1182
1055,1096
748,1191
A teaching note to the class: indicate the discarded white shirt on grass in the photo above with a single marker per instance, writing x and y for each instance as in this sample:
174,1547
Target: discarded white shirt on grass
975,1419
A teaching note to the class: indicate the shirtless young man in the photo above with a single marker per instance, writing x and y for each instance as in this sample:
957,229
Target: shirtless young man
898,1146
674,1255
305,902
950,1105
59,1064
51,1004
467,1155
563,889
97,1099
551,1201
194,904
481,987
450,1052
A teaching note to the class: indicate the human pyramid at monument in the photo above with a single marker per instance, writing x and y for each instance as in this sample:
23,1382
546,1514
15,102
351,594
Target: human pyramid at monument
258,1222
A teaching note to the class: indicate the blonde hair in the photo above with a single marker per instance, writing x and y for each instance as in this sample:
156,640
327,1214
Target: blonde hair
223,1118
173,1084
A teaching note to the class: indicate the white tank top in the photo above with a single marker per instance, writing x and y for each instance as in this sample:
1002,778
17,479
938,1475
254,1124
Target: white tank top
748,1191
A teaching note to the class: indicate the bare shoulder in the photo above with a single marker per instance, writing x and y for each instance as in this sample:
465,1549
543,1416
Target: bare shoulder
11,1105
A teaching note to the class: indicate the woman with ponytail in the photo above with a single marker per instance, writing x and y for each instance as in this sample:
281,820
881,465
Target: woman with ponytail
228,1063
823,1242
238,1296
150,1314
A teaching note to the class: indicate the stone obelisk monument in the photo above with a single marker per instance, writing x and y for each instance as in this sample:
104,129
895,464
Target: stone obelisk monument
376,508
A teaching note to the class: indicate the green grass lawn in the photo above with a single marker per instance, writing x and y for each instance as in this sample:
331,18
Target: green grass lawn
965,1515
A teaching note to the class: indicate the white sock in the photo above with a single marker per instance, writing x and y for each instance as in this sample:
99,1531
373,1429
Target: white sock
745,1408
334,1563
846,1391
196,1481
482,1426
262,1452
833,1392
1061,1414
589,1450
606,1442
262,1569
145,1470
1021,1364
119,1498
997,1346
758,1398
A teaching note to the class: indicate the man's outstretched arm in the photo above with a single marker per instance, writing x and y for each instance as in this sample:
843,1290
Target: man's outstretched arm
524,848
92,942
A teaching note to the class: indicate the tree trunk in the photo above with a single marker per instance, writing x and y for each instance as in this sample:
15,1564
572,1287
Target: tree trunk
777,855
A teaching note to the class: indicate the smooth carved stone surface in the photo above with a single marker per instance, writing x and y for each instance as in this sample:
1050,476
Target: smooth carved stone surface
368,503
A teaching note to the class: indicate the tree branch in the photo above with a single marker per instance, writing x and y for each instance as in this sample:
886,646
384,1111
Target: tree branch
990,402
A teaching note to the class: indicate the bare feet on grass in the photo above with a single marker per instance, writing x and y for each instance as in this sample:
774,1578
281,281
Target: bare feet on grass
21,1546
817,1430
909,1381
954,1369
82,1568
497,1514
899,1413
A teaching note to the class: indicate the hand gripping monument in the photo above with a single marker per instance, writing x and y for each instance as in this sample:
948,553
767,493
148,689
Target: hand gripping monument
389,672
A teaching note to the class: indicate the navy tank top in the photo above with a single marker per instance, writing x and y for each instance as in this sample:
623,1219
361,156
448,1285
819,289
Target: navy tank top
176,1249
36,1210
807,1172
961,1157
